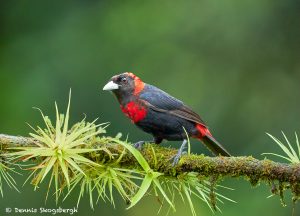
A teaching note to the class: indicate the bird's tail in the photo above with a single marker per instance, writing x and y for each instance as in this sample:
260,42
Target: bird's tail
210,142
214,146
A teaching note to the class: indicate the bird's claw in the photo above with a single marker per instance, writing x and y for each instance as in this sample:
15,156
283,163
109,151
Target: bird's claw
179,153
139,145
176,158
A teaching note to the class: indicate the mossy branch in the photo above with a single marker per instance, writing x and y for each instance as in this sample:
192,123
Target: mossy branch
245,166
81,156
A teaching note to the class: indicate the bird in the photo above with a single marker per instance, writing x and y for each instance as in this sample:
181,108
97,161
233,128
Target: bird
158,113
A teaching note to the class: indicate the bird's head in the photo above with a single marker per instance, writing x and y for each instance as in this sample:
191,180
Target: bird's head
125,84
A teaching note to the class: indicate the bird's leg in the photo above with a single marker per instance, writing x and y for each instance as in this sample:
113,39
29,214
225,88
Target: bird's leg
179,153
139,144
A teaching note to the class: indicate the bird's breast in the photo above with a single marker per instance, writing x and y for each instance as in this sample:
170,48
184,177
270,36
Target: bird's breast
135,111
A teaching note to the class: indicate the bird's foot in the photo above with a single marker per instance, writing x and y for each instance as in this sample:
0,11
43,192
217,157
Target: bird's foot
180,152
139,145
177,157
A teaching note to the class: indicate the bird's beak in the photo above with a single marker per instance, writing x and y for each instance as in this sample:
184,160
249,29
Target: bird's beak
110,86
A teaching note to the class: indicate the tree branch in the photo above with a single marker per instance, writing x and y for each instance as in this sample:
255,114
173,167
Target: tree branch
246,166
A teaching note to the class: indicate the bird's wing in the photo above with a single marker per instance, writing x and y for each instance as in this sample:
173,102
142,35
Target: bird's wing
161,101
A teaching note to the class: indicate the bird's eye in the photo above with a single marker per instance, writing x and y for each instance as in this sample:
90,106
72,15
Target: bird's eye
124,80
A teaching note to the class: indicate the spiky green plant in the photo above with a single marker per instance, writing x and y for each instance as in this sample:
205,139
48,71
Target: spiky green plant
189,185
291,153
102,180
185,185
60,149
5,176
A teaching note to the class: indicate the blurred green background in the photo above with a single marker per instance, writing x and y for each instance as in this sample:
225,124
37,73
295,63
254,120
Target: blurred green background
235,62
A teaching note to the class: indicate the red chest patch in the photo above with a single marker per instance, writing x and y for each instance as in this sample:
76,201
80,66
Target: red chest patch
134,111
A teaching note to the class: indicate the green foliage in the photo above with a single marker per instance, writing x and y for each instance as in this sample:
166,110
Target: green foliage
98,179
291,154
59,149
6,176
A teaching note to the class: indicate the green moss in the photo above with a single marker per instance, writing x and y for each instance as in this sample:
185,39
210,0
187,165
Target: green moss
281,189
